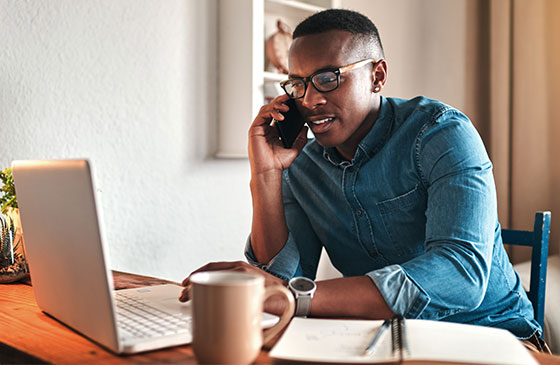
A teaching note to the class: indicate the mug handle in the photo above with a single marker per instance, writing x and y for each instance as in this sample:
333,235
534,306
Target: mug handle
285,318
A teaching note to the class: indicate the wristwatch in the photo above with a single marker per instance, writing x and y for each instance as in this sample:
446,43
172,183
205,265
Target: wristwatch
303,289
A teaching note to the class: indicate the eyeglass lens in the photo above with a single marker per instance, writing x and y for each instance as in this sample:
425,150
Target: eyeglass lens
323,81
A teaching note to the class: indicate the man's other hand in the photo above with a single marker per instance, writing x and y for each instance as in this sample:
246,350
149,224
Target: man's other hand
274,304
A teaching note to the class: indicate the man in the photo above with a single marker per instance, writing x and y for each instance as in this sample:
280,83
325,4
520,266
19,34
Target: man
400,193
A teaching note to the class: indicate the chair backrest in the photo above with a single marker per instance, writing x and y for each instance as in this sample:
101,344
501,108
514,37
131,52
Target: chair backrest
537,239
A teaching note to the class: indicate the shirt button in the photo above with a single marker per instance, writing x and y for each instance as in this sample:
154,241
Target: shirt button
359,213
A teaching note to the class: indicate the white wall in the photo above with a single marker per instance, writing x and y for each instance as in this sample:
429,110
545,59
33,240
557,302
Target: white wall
130,85
425,46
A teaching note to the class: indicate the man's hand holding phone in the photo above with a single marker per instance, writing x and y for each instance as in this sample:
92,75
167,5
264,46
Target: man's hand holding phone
266,150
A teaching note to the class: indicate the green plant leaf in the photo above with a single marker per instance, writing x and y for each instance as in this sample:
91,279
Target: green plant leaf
8,190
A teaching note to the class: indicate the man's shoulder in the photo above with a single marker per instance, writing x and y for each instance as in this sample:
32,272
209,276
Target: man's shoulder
420,104
422,113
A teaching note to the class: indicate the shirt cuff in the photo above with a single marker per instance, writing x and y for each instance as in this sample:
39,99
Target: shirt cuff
401,293
284,265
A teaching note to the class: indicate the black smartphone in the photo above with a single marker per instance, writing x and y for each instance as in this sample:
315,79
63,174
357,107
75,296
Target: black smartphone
289,128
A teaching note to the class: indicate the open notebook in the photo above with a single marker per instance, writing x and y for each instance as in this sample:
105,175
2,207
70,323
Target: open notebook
345,341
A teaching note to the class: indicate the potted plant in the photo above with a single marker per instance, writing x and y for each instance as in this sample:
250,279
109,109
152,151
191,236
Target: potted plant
13,265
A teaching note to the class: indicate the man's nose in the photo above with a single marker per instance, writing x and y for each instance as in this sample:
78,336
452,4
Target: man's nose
312,97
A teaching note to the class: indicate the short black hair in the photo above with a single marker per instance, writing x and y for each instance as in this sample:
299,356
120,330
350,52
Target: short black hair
342,19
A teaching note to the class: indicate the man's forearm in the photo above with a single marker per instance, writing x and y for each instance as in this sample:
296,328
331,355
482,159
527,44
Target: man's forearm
356,297
269,231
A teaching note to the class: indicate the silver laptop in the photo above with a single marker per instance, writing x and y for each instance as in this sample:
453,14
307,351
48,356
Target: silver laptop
70,269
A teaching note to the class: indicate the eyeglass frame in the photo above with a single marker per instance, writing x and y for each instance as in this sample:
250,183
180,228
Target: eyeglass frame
337,71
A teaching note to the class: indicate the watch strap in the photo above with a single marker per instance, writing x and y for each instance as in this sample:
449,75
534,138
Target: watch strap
303,305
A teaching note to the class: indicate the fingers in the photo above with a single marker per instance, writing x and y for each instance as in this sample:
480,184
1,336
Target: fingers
271,111
238,266
215,266
279,103
278,109
185,294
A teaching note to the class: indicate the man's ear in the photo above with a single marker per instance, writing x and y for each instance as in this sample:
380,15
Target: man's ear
379,75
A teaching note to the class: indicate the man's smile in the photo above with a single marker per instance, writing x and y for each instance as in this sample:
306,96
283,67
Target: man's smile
320,123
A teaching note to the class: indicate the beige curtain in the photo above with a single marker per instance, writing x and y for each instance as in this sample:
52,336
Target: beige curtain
523,129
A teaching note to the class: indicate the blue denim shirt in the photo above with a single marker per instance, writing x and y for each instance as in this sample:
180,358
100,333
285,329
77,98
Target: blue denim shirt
415,210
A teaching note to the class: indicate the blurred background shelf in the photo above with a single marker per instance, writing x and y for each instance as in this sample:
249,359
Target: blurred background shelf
244,84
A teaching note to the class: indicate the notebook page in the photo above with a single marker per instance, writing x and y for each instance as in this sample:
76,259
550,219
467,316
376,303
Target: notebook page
335,341
452,342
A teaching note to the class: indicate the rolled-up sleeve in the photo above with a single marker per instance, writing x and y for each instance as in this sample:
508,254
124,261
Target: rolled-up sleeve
284,265
451,276
399,291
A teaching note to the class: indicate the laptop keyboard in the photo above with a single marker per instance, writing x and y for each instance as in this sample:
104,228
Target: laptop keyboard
136,318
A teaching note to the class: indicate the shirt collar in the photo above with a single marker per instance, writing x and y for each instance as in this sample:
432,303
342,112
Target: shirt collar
374,140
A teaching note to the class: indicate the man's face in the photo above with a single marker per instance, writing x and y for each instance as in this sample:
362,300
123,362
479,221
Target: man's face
342,117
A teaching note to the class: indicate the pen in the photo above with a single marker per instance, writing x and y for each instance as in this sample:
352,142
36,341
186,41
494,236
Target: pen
384,326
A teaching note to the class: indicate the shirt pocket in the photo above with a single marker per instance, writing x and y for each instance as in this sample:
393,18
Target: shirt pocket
404,219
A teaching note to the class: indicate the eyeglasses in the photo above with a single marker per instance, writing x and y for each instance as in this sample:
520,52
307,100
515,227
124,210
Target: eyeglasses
324,80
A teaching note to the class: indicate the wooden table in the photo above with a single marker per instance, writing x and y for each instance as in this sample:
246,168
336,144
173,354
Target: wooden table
29,336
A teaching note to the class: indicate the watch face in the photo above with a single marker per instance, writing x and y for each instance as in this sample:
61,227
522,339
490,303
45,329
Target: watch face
303,285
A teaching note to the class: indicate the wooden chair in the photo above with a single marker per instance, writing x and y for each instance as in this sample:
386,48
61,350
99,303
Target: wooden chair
537,239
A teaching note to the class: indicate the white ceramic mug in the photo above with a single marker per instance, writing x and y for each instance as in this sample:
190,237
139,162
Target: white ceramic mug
227,308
